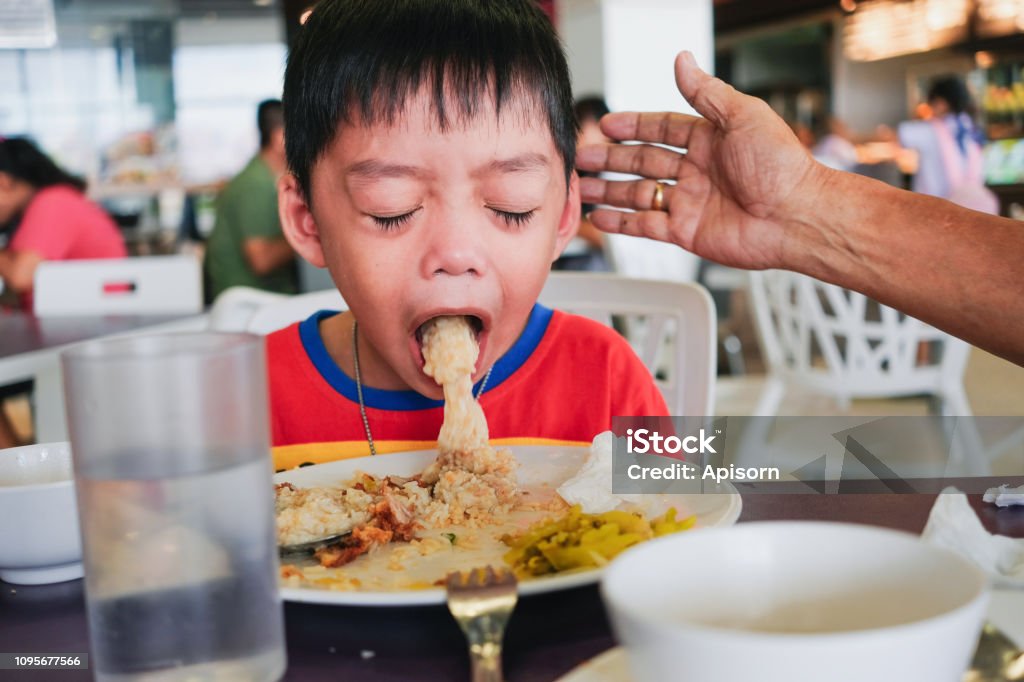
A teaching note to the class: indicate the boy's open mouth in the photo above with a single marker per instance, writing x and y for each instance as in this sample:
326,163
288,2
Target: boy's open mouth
477,323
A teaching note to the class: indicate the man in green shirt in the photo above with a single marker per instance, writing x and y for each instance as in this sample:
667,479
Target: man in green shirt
246,247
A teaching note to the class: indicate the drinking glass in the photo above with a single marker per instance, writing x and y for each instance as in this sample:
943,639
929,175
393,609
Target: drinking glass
171,454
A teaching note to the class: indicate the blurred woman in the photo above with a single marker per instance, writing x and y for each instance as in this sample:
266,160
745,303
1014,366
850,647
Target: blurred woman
50,217
949,148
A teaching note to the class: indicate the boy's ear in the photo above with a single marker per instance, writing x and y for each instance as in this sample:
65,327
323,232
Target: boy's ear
297,221
569,223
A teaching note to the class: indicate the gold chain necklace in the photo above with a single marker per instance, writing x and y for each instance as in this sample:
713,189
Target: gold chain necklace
359,387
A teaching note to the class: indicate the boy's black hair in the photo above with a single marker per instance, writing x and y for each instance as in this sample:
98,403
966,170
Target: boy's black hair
590,108
22,159
365,58
269,117
953,90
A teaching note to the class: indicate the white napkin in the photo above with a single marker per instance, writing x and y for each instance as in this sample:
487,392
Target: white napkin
954,525
591,486
1005,496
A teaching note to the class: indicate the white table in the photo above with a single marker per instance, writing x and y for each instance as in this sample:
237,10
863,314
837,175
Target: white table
30,348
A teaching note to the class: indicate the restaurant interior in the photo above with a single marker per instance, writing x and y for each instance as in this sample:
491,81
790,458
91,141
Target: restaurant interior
169,112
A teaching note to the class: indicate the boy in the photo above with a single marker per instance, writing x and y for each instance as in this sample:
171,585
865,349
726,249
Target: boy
431,145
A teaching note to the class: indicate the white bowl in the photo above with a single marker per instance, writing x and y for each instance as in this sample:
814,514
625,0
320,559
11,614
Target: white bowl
39,540
785,601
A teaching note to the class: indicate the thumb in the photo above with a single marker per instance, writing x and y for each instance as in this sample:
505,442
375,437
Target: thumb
712,98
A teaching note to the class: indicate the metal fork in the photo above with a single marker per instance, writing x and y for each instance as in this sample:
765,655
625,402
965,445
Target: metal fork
997,658
482,601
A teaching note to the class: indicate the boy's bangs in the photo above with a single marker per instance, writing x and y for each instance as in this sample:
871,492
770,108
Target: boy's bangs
454,97
364,61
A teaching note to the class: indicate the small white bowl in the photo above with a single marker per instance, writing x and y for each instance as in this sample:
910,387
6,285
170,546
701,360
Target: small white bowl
39,540
785,601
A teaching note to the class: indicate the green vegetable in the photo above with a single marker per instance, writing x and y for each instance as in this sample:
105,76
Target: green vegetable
579,541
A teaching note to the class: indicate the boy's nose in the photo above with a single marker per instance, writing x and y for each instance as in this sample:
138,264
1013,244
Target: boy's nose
454,250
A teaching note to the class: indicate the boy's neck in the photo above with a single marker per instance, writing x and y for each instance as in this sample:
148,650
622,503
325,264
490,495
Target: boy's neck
336,333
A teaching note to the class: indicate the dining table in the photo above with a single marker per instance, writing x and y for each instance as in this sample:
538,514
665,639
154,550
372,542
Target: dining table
30,348
548,634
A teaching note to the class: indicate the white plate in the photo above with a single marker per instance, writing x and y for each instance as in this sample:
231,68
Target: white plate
539,465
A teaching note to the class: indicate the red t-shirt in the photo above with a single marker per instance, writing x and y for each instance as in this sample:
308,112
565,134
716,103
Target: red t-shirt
60,223
560,383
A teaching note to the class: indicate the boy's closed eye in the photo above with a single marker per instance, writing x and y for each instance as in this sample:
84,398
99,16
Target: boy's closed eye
512,219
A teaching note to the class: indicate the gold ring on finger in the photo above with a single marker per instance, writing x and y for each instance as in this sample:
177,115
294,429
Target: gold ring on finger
658,202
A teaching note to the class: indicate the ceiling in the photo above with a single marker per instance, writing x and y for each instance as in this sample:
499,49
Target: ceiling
167,8
731,15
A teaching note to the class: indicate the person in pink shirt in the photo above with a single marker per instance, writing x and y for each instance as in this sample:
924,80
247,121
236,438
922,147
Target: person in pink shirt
50,217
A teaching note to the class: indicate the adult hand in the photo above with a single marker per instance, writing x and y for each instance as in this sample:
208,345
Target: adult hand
744,182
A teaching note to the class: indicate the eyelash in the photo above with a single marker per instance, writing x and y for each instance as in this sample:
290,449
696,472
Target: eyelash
388,223
515,219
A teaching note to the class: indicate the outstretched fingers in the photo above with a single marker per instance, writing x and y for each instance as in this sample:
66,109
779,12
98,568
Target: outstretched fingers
651,224
663,127
635,194
638,159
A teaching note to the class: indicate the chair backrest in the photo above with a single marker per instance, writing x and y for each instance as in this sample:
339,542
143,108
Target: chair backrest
841,343
151,285
235,307
261,312
279,314
671,325
643,258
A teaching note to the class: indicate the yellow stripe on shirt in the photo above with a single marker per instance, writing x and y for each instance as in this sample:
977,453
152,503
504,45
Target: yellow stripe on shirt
304,454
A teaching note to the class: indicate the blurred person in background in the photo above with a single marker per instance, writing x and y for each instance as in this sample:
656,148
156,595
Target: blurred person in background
47,217
586,250
835,148
949,148
246,246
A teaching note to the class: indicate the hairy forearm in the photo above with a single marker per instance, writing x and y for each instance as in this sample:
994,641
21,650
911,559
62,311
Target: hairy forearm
953,268
266,255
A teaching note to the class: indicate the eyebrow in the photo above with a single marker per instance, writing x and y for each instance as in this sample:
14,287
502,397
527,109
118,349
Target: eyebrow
376,169
372,168
524,163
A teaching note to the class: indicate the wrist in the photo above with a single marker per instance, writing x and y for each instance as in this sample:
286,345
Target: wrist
816,238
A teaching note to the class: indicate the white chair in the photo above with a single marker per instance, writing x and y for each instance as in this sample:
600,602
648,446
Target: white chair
149,285
144,285
235,306
839,343
261,312
643,258
657,315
